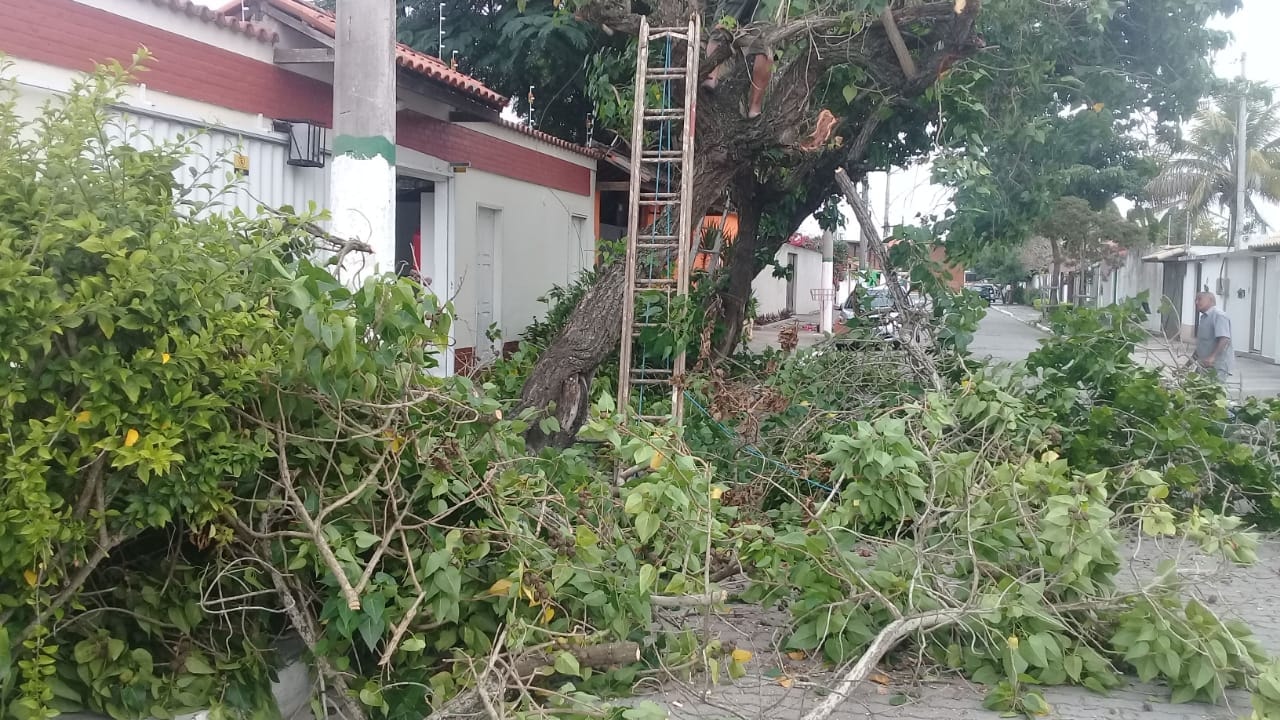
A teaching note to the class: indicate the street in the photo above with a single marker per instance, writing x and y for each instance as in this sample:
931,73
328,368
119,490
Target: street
1009,334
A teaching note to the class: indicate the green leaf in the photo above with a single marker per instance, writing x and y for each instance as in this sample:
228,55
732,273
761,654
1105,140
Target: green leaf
1202,673
413,644
850,92
1074,666
646,710
648,576
567,664
647,524
634,502
1035,703
197,665
366,540
1182,694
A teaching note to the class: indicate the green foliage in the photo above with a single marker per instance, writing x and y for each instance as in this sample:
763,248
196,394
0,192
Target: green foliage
1112,409
1053,113
215,442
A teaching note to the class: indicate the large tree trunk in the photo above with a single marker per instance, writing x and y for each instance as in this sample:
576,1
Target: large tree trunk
740,271
731,146
1056,274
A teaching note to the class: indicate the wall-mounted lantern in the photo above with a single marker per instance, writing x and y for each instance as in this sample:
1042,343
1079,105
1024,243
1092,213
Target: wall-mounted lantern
306,143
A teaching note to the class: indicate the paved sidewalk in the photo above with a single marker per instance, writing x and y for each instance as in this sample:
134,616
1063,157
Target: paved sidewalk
779,688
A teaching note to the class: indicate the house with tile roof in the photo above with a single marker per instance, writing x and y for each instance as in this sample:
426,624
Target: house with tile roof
492,212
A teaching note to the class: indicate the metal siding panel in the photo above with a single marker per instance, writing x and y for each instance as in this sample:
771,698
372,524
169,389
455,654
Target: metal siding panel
271,181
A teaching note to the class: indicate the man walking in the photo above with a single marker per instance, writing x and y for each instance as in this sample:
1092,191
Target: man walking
1213,338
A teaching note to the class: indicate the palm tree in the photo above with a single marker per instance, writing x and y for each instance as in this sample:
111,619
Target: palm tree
1203,173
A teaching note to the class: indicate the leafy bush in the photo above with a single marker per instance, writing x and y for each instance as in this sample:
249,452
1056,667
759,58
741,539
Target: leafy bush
215,442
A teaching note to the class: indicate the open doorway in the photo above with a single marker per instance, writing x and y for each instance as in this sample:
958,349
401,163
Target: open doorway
424,243
415,226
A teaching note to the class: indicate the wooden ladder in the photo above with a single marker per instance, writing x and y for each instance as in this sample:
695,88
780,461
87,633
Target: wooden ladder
659,222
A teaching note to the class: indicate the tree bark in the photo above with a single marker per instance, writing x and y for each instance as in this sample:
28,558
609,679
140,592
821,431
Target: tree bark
741,270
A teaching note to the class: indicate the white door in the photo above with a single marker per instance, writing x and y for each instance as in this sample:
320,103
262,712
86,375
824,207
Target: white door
487,225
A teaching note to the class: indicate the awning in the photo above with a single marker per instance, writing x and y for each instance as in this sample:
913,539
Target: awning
1166,254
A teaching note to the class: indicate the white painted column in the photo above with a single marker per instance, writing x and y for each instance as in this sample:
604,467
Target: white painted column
828,271
362,184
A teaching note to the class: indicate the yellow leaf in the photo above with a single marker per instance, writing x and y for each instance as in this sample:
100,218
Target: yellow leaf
527,591
786,682
131,438
716,493
164,358
499,587
397,442
31,577
1097,107
83,417
547,614
740,655
656,461
1049,457
1012,642
797,654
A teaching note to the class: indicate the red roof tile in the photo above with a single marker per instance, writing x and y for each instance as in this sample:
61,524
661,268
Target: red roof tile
406,56
421,63
218,17
552,139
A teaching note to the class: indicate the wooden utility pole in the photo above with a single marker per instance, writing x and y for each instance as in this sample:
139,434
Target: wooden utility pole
1242,163
362,183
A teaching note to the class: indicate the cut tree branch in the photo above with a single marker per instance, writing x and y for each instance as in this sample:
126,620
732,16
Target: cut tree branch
891,635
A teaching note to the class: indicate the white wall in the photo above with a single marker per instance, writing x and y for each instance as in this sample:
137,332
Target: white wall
1131,280
536,248
771,292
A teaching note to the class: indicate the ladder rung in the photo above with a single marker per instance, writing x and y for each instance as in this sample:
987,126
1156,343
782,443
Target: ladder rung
669,238
659,196
671,156
664,74
657,246
676,34
641,372
637,381
655,419
655,282
663,114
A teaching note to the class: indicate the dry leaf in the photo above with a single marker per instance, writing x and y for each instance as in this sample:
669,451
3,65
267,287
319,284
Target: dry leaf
83,417
1097,107
741,655
547,614
131,438
786,682
656,461
716,493
797,654
499,587
879,678
31,577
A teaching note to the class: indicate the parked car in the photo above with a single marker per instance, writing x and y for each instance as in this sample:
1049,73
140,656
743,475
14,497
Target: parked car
880,302
986,291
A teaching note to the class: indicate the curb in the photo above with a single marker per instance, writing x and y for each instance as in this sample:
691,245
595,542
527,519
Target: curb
1033,323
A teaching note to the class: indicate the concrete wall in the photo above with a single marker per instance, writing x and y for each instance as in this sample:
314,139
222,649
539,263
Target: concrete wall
1129,281
771,292
544,238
